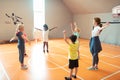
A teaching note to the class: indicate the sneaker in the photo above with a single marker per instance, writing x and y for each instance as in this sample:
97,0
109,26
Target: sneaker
24,67
91,68
47,51
96,68
68,78
44,51
74,76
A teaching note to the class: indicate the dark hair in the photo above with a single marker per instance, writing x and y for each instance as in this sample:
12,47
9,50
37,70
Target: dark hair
98,21
45,26
73,38
12,14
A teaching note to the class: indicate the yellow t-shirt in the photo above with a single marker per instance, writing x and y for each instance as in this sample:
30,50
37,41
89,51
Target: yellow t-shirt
73,51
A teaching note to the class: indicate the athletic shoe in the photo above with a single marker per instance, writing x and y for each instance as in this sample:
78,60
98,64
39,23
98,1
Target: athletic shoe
96,68
24,67
68,78
91,68
47,51
74,76
44,51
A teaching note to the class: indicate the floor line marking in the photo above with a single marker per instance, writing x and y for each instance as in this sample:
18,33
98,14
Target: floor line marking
106,55
104,63
64,69
29,61
91,58
4,71
1,76
60,67
108,76
116,56
101,54
100,60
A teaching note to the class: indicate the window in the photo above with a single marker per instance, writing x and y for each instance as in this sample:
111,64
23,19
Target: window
39,13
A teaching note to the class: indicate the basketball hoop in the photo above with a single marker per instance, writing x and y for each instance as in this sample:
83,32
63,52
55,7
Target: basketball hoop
116,12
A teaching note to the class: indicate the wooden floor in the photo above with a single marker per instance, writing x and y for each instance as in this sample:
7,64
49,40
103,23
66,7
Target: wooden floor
54,66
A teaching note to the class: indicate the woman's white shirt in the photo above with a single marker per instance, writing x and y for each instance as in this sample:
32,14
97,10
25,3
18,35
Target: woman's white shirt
96,31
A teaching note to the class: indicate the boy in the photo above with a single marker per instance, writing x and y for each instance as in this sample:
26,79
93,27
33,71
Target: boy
73,55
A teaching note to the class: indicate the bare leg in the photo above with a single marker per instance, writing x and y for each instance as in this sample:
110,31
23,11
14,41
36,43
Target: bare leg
44,43
76,70
47,47
71,71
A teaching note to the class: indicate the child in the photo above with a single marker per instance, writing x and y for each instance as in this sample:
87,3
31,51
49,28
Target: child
95,44
45,36
73,55
21,45
14,37
75,30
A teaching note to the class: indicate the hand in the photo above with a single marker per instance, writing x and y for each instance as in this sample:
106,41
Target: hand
74,23
11,40
107,23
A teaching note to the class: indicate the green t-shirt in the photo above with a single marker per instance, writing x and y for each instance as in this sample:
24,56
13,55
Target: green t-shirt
77,34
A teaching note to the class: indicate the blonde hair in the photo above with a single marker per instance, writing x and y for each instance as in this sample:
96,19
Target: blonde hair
77,29
19,27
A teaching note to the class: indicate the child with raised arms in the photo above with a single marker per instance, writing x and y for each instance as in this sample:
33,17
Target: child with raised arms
73,55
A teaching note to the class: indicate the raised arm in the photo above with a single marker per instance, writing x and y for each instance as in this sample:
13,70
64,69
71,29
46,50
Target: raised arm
7,15
72,27
105,25
39,29
52,28
25,38
18,17
65,38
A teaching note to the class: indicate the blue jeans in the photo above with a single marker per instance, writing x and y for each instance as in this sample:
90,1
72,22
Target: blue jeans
21,49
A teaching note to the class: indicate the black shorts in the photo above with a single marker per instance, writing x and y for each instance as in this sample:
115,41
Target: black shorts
73,63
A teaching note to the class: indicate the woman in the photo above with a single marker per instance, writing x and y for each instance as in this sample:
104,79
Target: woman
95,44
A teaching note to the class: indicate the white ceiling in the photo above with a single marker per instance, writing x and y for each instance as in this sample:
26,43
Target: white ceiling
90,6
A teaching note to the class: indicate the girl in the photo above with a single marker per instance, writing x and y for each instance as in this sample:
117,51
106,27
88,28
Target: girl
95,44
14,37
75,30
21,45
45,36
